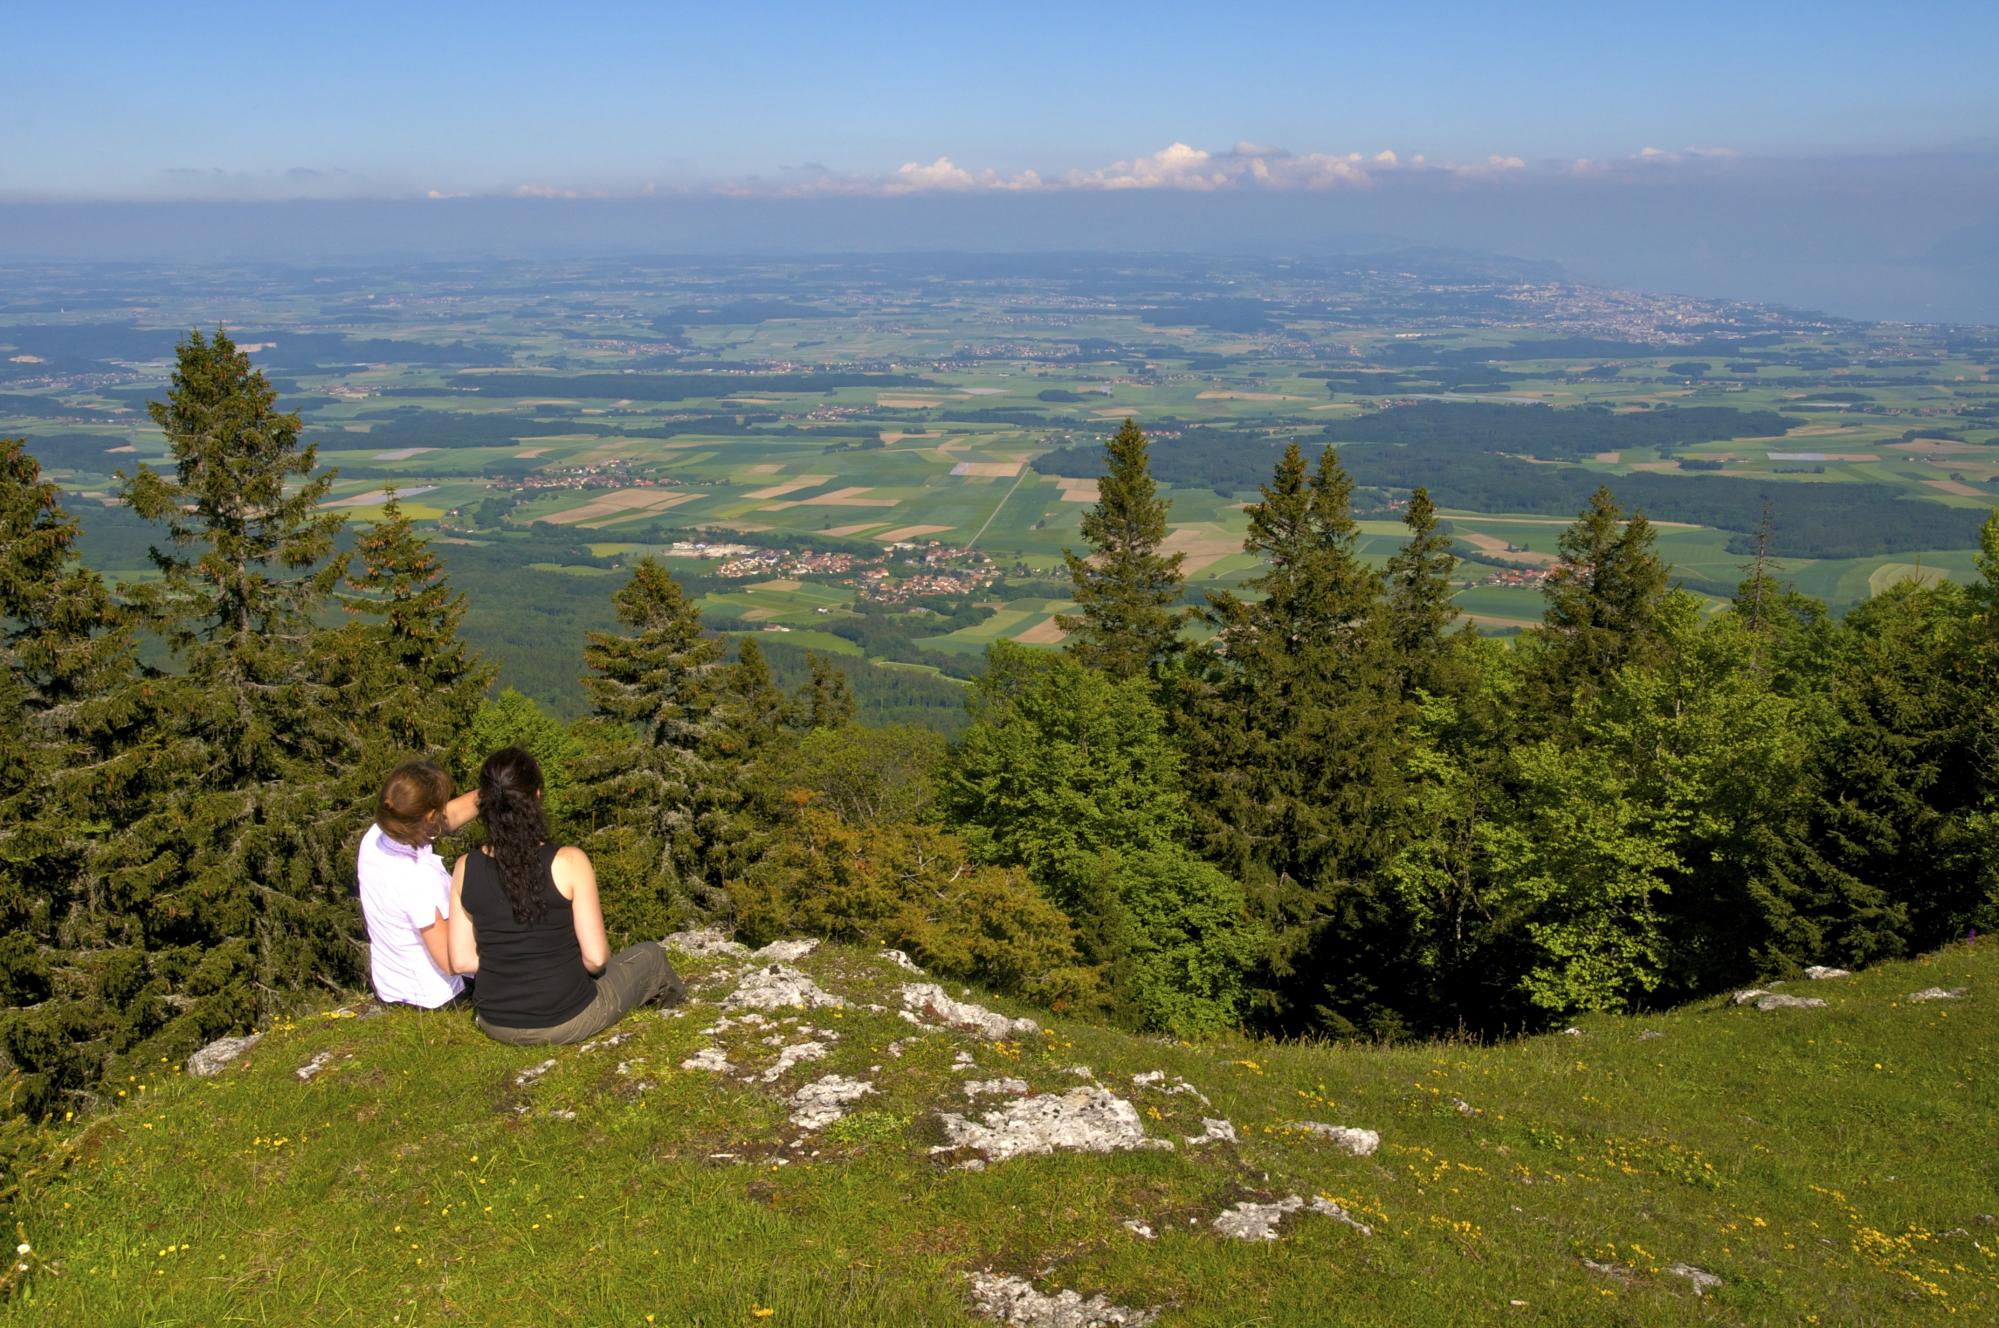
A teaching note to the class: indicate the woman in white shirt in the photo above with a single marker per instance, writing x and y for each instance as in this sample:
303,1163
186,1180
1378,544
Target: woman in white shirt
405,888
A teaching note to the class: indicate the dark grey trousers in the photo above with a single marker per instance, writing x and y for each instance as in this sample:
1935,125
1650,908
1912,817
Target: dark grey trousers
636,974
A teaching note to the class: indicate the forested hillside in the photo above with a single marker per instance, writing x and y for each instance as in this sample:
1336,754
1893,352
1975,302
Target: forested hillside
1319,807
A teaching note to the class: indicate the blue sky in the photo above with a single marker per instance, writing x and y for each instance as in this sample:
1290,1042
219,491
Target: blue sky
114,101
1831,155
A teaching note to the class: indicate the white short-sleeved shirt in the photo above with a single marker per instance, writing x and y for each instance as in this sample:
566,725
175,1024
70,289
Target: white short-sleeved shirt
404,890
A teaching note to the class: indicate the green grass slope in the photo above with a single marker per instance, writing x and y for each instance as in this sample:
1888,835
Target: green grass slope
1829,1165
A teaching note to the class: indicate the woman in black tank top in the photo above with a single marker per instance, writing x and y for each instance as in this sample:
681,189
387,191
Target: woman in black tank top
525,917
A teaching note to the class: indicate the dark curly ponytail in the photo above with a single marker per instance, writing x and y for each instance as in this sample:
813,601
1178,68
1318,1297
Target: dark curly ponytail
515,828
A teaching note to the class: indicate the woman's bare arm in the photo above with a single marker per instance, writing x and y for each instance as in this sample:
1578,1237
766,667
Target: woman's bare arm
461,944
577,880
460,810
436,943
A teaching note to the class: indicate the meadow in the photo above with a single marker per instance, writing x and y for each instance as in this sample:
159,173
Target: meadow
1717,1164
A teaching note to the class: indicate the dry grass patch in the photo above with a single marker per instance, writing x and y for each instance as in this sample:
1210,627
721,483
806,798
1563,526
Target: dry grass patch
902,402
1202,543
790,486
1047,632
620,503
999,470
909,532
1496,546
849,497
1078,491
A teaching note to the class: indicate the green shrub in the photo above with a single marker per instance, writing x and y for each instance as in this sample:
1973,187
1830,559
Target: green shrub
915,888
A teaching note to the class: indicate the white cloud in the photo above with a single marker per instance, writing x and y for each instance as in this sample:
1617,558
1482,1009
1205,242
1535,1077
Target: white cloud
939,174
1179,166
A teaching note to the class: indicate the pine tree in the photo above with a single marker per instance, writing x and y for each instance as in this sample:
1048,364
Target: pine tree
1419,613
652,792
750,711
71,744
1604,600
826,701
416,685
230,888
1292,724
1125,588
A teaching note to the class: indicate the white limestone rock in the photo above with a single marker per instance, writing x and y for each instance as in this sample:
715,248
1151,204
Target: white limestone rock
1819,973
533,1072
704,941
1702,1279
792,1055
1259,1221
1359,1142
1160,1080
903,962
309,1071
824,1101
785,952
778,987
995,1087
1212,1132
1082,1120
926,1000
1780,1001
214,1058
1940,994
708,1058
1013,1300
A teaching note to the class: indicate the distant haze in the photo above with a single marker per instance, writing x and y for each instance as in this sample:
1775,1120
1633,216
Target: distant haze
1906,239
1838,156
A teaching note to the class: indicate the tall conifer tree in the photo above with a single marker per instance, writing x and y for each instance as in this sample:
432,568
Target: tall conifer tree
231,882
417,683
1125,587
1294,718
651,789
1419,613
73,744
1604,601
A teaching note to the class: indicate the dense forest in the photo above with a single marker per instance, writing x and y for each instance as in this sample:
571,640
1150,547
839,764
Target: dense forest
1466,456
1331,811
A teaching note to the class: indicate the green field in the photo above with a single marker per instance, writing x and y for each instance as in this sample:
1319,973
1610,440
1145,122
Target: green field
913,409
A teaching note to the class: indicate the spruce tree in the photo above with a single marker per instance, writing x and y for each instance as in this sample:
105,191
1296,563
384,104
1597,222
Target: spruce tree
1419,613
1604,600
72,744
751,710
416,685
826,701
1293,718
229,887
654,796
1125,587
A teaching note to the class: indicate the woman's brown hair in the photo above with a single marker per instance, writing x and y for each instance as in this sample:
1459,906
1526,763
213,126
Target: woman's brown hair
413,792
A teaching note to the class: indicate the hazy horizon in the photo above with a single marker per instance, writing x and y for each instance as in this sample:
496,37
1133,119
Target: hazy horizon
1848,165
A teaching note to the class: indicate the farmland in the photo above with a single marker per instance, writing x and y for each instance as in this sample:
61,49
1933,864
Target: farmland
884,459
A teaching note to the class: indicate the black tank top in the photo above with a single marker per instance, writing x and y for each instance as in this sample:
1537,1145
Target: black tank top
531,974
